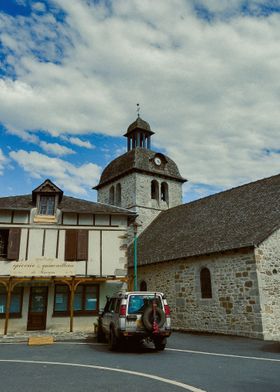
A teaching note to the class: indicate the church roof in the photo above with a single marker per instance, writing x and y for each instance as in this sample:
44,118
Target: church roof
68,204
139,159
139,124
237,218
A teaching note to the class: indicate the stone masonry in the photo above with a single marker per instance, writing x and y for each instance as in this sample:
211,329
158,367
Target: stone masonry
268,271
234,308
136,196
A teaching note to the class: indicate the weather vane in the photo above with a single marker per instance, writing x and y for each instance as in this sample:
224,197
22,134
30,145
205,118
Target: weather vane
138,109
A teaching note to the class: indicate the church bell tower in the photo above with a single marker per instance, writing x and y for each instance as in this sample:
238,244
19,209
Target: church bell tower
141,180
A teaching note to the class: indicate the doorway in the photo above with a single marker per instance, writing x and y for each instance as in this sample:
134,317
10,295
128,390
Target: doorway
37,312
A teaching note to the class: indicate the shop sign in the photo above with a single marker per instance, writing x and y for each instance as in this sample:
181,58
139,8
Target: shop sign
42,267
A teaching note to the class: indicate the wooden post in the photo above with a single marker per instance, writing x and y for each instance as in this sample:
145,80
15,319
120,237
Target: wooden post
8,304
72,292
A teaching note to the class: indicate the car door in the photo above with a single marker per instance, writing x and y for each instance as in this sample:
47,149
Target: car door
108,315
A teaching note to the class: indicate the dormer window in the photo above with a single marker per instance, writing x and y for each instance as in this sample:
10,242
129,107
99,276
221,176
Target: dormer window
46,197
47,205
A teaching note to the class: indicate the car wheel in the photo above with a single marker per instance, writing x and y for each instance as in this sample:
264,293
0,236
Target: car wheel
160,344
101,338
113,341
148,318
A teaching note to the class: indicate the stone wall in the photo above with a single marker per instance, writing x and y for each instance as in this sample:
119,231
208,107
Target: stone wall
128,191
136,196
268,269
234,308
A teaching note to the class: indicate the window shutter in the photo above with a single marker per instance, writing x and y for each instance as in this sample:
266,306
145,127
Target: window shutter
82,248
13,244
71,245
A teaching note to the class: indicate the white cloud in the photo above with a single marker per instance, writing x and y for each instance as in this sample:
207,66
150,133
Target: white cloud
38,6
3,160
209,91
56,149
75,179
81,143
228,7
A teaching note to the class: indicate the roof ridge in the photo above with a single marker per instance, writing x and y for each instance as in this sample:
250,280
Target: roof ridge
8,197
223,191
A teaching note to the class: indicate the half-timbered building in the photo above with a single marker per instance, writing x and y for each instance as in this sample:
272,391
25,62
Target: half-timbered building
59,258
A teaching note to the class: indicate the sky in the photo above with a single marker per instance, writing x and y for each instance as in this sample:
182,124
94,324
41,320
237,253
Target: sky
205,73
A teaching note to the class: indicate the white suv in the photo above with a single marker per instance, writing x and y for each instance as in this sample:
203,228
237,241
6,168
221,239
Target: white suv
135,315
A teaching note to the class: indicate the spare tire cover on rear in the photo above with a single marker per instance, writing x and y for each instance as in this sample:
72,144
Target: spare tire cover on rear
148,318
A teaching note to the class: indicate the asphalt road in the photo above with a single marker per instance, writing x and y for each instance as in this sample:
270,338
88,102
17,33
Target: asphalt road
190,362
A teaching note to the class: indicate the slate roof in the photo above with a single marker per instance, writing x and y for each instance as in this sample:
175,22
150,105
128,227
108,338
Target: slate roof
236,218
139,124
68,204
138,159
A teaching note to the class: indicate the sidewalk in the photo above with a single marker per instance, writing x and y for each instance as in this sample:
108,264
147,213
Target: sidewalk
58,336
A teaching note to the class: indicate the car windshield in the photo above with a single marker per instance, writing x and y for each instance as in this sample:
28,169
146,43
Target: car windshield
138,303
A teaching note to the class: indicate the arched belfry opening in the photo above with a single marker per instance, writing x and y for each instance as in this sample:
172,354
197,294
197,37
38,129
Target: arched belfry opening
154,190
139,135
164,192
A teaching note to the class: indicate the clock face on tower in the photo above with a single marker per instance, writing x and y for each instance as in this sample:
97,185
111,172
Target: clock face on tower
157,161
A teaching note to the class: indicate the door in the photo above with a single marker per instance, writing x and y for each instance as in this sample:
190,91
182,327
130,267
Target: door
37,313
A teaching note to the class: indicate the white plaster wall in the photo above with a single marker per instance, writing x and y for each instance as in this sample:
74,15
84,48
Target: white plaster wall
23,244
21,217
86,219
94,253
119,220
35,245
102,220
5,216
70,218
50,243
114,253
61,245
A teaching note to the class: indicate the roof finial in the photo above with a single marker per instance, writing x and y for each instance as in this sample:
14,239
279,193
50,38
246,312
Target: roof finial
138,110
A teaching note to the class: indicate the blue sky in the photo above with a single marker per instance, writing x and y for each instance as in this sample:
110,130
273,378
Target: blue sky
206,74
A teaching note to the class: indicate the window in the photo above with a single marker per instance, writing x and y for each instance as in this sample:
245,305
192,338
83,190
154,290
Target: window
76,245
16,302
138,303
118,195
4,237
205,283
112,195
47,205
9,243
164,192
85,300
154,190
61,299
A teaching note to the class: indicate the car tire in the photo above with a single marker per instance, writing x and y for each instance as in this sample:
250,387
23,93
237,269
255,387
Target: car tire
147,318
101,338
113,341
160,344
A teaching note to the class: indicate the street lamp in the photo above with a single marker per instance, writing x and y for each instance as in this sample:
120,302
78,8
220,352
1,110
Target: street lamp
135,228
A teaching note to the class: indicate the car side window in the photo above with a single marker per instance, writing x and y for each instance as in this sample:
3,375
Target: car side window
112,304
118,303
106,307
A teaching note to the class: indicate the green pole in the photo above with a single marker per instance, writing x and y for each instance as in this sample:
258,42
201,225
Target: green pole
135,261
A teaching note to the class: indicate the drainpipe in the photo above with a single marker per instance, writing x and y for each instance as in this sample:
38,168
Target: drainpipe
135,261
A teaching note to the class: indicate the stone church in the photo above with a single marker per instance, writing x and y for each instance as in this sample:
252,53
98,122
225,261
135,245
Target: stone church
217,259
